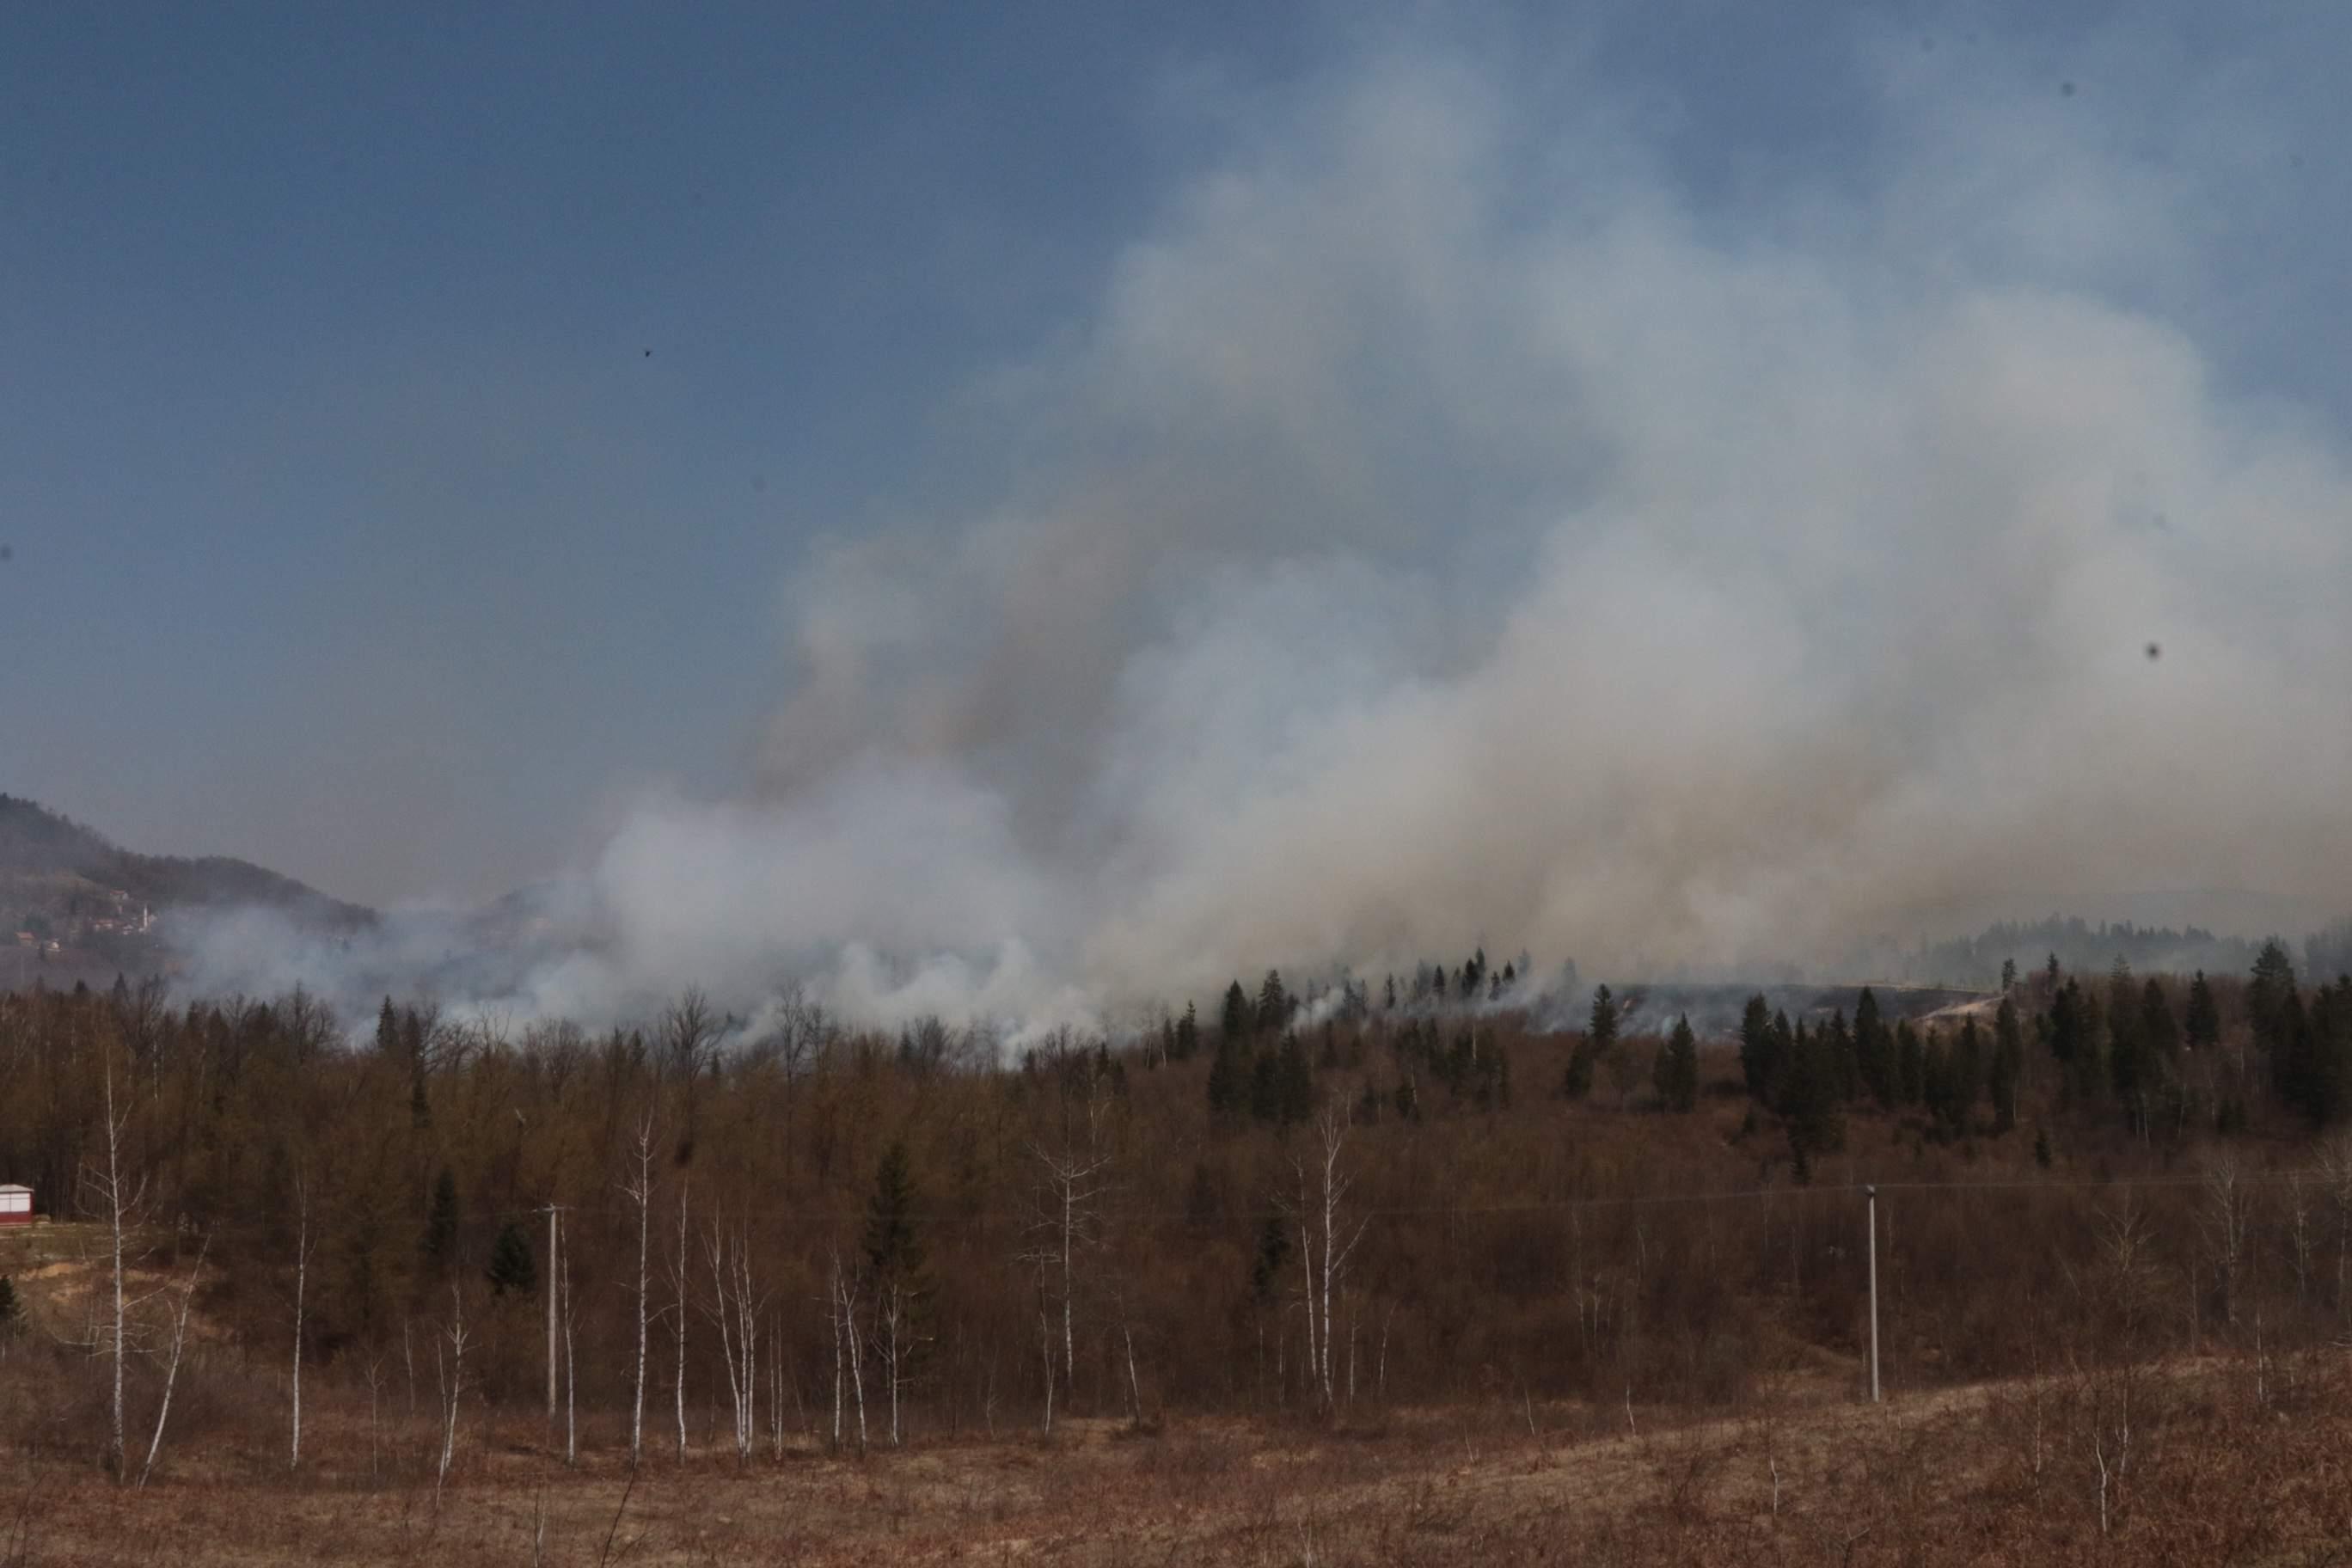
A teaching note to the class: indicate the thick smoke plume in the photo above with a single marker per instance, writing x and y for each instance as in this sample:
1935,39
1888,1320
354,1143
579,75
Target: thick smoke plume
1444,528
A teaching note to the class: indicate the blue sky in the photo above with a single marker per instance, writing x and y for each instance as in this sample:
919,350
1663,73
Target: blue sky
415,421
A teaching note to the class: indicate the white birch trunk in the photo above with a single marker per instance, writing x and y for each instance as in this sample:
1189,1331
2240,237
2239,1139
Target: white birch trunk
571,1373
301,1280
172,1367
641,1192
456,1387
679,1382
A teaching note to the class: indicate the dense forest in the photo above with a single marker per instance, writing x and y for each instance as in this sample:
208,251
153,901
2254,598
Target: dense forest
1256,1206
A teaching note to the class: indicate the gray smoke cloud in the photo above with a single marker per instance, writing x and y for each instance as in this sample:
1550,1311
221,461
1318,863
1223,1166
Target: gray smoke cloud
1443,528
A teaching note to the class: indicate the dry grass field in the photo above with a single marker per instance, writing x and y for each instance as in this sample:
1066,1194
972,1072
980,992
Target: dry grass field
2206,1462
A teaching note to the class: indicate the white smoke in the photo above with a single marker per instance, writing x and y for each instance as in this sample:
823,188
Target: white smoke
1442,529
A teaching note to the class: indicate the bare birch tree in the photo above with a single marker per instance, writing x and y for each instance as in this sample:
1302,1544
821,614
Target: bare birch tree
115,1203
187,1294
453,1386
2226,1216
1326,1239
735,1309
677,1317
563,1283
1072,1183
554,1258
847,1336
639,1189
301,1282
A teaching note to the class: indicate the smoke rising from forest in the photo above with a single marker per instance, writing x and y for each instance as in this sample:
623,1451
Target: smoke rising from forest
1448,524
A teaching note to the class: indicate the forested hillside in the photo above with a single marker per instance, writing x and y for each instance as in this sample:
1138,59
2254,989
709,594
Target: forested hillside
40,849
1238,1212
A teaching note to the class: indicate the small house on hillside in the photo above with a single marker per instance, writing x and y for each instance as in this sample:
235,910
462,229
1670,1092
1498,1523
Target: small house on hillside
16,1206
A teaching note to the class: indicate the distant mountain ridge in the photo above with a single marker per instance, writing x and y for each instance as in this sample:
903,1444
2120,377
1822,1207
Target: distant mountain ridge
42,850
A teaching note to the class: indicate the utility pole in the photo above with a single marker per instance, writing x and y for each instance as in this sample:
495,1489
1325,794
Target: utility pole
554,1240
1872,1194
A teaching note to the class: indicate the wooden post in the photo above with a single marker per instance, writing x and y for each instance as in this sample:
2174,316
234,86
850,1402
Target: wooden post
553,1240
1871,1193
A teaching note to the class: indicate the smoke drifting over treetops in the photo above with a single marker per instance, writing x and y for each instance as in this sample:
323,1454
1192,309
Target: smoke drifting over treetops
1445,527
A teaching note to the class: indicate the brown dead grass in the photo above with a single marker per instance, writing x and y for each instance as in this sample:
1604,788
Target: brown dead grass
1997,1473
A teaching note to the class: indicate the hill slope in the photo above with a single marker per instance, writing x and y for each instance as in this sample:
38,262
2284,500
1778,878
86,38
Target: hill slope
48,858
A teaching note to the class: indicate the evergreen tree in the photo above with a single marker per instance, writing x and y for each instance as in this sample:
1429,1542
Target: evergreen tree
511,1268
387,1032
1603,1029
1265,1086
1234,1021
1966,1069
2008,1069
1294,1083
2328,1025
1845,1071
2008,974
1273,1005
1228,1076
420,1106
2268,989
1577,1082
1936,1084
12,1310
894,1247
2202,1026
1758,1053
1910,1065
1810,1100
1408,1099
441,1219
2076,1040
1188,1034
1873,1049
2294,1061
2127,1065
2160,1036
1676,1071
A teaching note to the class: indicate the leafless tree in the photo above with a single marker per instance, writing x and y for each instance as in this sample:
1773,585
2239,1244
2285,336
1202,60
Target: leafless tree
1326,1238
734,1309
847,1347
301,1282
570,1366
678,1318
2334,1160
1071,1185
187,1294
896,1340
688,1030
109,1197
554,1262
1045,1334
2226,1214
639,1189
453,1383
